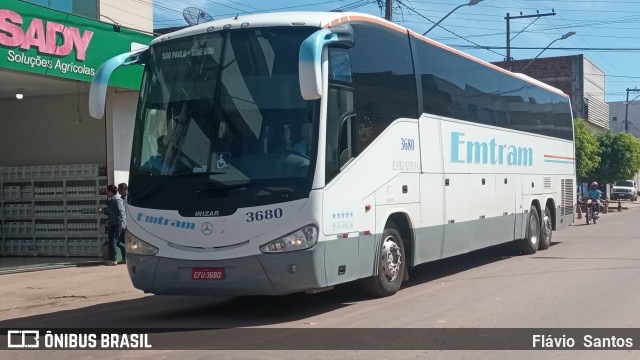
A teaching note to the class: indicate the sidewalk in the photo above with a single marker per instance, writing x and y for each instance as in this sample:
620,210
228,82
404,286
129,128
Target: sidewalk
624,204
613,207
11,265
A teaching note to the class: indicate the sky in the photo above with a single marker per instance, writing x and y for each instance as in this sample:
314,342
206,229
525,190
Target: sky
606,31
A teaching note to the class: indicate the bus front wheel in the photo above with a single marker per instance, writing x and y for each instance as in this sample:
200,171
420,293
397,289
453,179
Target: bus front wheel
529,245
391,265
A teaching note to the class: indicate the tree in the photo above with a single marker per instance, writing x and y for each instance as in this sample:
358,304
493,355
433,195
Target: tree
629,146
587,150
620,157
608,162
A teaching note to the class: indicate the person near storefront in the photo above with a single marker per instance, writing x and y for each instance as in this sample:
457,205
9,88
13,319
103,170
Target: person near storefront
123,191
116,222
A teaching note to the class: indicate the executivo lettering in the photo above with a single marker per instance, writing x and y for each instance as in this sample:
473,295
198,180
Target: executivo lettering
488,152
160,220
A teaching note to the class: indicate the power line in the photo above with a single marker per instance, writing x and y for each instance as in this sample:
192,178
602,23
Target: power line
354,5
445,29
486,47
261,10
249,6
581,37
228,6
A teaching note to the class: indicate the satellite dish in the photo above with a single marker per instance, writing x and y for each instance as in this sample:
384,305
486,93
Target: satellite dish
195,16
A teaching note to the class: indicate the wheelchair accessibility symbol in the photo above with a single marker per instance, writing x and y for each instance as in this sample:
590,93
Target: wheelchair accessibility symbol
222,162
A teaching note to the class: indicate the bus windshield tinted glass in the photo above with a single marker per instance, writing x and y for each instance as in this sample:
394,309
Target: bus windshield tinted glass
221,117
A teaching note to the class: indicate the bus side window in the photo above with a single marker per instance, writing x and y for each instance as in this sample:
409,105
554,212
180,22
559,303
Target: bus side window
345,140
340,122
340,66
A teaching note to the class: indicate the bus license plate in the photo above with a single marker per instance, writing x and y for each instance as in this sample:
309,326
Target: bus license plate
207,273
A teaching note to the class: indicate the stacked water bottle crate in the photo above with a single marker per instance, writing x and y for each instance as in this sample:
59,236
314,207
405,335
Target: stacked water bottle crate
51,210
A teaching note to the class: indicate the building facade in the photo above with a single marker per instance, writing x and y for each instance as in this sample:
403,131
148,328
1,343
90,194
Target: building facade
55,159
132,14
618,113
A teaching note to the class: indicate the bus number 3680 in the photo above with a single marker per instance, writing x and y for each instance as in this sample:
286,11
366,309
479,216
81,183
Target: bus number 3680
408,144
264,215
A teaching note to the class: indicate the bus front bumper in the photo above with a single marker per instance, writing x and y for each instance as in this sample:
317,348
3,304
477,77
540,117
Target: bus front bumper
264,274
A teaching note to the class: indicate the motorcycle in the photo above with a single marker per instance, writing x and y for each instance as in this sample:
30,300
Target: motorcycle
592,213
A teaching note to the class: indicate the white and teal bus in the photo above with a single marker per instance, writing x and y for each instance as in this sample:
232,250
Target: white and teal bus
290,152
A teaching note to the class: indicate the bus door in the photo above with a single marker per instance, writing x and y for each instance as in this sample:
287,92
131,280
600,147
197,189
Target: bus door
505,207
519,210
430,231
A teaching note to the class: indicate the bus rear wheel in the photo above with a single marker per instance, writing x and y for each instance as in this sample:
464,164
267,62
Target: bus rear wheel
546,230
391,265
529,245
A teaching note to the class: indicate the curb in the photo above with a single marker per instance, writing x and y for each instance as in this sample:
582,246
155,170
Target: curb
49,266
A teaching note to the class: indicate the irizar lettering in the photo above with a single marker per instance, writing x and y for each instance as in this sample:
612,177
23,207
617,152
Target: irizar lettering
160,220
207,213
488,152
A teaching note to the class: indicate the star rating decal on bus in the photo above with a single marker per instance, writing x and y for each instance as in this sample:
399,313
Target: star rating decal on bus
342,220
342,215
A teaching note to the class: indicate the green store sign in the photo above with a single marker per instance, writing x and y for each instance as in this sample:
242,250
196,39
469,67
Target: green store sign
48,42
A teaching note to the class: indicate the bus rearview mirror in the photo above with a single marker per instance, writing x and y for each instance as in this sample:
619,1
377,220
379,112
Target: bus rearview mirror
100,82
310,57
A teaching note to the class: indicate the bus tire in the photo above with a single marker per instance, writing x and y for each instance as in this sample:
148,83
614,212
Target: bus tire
529,245
391,265
546,230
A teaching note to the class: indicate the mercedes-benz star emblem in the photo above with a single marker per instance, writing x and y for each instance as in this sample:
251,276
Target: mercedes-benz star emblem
207,228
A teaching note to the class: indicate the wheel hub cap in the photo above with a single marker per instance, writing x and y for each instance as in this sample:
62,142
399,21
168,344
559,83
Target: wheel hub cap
547,227
391,258
533,236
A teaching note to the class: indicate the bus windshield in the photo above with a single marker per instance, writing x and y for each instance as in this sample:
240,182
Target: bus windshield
221,122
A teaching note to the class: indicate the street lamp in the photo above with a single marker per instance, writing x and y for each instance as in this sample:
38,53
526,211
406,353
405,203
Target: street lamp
470,3
565,36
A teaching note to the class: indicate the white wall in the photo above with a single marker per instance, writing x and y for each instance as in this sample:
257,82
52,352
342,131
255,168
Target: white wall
594,80
594,91
617,109
43,131
133,14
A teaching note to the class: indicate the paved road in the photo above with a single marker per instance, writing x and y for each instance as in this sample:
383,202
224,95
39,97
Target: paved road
587,279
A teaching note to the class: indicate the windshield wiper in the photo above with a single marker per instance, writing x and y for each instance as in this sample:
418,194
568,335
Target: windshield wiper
153,187
163,178
282,192
191,173
222,187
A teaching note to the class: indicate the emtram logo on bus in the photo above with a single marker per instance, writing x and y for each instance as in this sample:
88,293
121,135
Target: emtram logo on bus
488,152
160,220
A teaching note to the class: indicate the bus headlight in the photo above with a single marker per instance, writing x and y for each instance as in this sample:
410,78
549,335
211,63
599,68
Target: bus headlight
304,238
137,246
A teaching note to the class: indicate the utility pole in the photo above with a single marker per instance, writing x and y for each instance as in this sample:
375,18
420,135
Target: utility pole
626,109
509,31
388,10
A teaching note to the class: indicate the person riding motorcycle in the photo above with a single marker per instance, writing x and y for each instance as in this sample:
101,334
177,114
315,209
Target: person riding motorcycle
595,195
